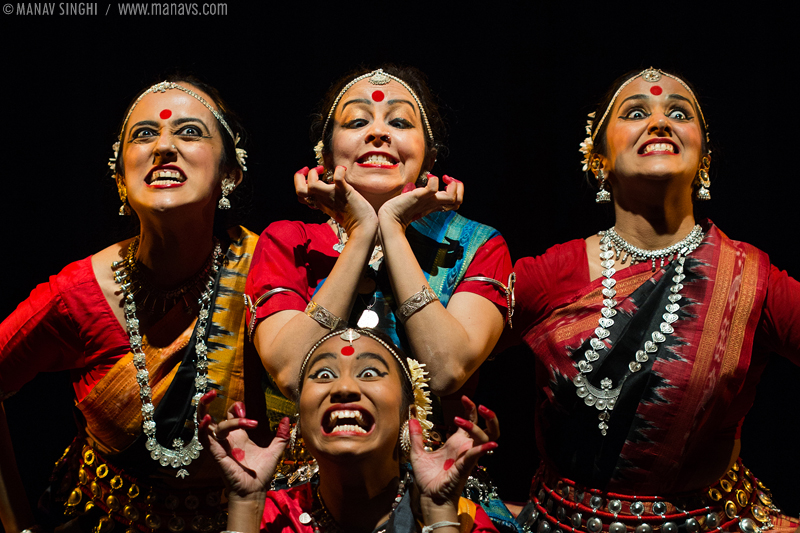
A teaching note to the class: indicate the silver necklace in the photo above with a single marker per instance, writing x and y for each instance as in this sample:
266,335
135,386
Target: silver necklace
605,398
180,455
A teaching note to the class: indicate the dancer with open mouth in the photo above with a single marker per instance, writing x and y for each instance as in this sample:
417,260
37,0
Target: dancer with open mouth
363,409
146,326
650,337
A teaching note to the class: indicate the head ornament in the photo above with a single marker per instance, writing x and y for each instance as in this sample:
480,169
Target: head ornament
650,75
376,77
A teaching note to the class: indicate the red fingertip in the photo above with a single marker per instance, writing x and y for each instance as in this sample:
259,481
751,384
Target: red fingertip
342,166
283,429
487,413
431,176
303,171
447,179
449,463
488,446
466,424
237,454
319,169
247,423
238,408
205,421
209,396
408,187
414,427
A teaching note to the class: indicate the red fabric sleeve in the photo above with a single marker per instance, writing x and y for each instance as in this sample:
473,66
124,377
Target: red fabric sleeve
779,329
65,323
291,255
545,282
492,260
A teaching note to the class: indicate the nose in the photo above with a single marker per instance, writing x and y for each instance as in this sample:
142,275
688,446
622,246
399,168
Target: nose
378,135
164,150
345,390
660,125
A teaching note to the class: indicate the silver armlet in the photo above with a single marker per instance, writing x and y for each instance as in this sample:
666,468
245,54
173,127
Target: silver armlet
322,316
253,306
414,303
508,289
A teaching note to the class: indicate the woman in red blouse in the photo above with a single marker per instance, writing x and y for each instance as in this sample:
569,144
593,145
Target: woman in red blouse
146,326
650,337
394,255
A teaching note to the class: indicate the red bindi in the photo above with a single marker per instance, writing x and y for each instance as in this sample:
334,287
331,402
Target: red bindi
378,96
656,90
165,114
348,350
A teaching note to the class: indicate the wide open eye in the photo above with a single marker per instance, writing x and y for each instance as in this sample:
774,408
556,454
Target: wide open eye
323,374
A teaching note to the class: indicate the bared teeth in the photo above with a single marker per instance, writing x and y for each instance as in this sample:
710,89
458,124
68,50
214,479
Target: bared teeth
171,175
377,159
347,415
348,427
659,147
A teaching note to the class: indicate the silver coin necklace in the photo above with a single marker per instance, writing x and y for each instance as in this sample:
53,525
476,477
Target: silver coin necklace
612,245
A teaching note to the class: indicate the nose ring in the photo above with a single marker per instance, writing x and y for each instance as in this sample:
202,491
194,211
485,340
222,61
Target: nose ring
386,138
173,147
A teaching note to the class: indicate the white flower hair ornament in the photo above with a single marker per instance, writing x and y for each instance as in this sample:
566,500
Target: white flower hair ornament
318,153
241,153
588,144
422,396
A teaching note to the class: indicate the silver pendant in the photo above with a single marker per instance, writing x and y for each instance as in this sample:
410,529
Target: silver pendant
339,246
368,319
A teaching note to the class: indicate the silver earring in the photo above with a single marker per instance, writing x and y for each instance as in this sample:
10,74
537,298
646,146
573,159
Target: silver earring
603,196
703,193
405,440
228,185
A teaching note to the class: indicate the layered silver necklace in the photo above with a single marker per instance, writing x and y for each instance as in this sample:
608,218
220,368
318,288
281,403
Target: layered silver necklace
180,455
611,244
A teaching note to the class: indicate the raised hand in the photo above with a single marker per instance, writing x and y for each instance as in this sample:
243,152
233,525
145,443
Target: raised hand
339,199
440,476
246,467
414,203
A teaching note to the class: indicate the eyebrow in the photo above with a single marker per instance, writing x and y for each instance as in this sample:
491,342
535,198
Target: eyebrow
177,122
355,101
393,102
646,97
319,357
375,356
389,102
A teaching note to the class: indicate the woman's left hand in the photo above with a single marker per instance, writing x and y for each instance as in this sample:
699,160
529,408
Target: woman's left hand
246,467
440,476
414,203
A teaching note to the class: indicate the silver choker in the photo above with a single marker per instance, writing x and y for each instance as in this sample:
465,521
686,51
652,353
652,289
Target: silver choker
605,398
180,455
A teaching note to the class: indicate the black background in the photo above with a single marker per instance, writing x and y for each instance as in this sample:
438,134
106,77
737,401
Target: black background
516,80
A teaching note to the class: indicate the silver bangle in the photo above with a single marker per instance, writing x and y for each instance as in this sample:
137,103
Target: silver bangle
322,316
508,289
415,302
437,525
254,305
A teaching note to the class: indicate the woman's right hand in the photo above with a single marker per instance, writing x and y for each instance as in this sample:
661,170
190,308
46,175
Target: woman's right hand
339,199
246,467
